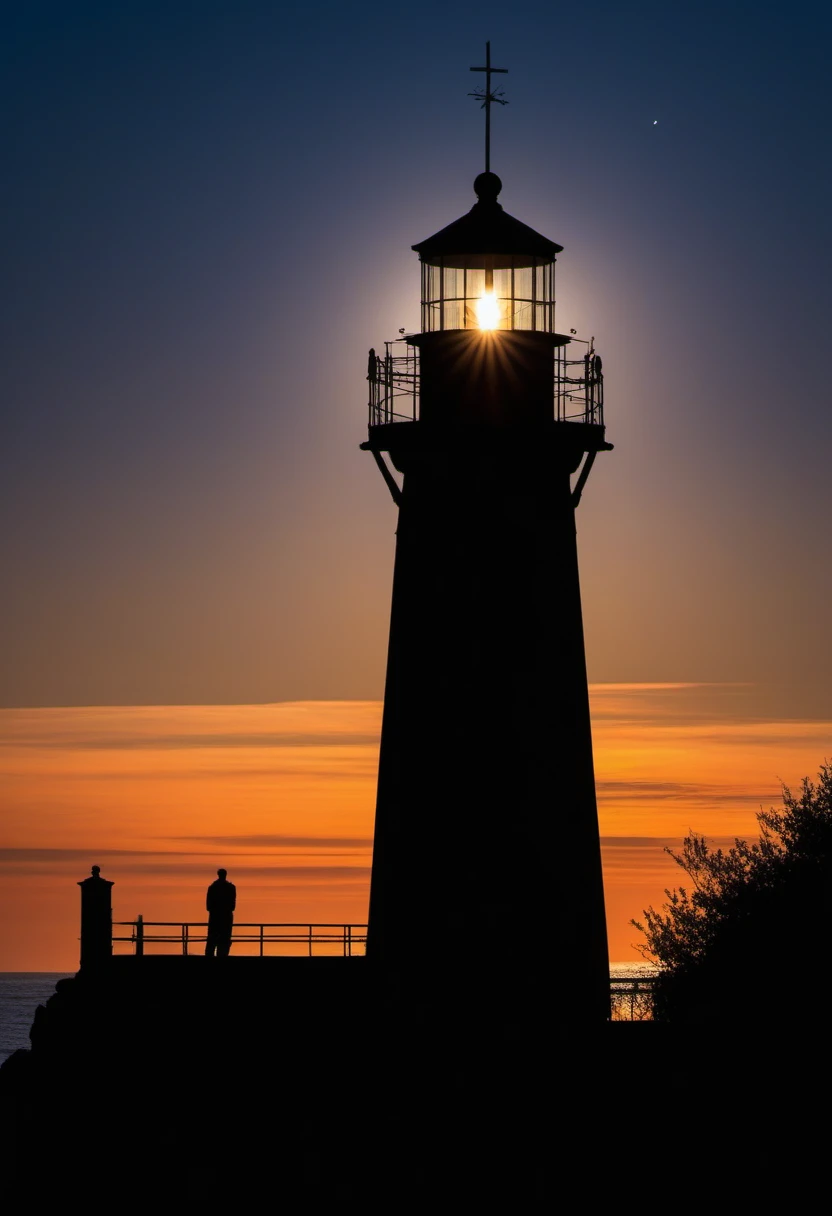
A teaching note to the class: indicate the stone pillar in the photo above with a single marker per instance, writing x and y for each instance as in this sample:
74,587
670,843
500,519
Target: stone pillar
96,919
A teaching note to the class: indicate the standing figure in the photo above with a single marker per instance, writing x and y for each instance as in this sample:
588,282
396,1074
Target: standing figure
220,903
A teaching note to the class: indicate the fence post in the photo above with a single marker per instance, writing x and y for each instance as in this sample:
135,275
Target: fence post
139,936
185,940
96,919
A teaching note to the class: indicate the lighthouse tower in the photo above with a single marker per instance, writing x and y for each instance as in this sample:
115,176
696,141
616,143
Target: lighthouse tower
486,874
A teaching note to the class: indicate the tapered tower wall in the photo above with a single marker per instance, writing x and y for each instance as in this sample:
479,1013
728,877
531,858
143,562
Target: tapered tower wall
486,854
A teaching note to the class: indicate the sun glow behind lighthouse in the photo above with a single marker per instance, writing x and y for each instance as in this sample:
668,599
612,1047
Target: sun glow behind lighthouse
488,311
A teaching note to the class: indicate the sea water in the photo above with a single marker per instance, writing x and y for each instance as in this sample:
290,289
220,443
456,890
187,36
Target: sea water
20,994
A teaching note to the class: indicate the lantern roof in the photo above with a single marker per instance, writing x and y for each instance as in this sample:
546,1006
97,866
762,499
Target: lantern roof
487,229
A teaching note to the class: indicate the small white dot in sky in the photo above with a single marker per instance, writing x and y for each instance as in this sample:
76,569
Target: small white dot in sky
655,121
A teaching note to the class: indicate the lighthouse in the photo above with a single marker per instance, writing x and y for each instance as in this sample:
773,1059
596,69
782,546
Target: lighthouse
486,874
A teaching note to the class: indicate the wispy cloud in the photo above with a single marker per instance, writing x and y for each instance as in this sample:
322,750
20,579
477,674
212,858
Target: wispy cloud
638,842
186,727
328,764
701,794
613,846
284,842
24,855
283,874
182,742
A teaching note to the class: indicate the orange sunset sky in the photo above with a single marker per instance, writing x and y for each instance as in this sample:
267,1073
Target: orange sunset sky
283,796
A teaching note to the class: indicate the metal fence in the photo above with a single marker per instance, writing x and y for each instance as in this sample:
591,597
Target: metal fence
577,385
394,384
172,937
631,998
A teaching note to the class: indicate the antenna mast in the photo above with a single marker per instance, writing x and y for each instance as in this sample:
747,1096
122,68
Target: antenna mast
486,97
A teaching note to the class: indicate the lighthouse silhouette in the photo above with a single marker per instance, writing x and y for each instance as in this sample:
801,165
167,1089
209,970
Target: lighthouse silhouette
486,883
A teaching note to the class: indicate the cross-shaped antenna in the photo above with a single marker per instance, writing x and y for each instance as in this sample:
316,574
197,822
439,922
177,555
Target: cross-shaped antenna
486,97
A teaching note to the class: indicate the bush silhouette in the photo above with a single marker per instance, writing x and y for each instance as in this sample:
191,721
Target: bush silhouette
749,938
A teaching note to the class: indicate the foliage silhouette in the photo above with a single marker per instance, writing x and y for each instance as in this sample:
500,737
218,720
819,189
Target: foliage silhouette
749,938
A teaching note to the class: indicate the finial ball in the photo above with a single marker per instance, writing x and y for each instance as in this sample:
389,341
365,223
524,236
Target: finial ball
487,186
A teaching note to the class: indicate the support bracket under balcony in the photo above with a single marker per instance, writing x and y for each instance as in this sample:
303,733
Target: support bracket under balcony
586,469
392,484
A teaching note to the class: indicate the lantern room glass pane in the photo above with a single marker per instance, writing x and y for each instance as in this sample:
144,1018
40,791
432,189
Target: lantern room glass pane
454,282
434,282
452,294
454,314
523,283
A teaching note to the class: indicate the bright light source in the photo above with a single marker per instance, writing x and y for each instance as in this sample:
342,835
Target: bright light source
487,310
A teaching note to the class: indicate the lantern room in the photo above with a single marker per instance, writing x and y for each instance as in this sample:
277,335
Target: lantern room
488,355
488,270
488,340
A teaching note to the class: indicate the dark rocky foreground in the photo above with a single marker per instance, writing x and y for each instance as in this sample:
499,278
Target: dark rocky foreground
300,1083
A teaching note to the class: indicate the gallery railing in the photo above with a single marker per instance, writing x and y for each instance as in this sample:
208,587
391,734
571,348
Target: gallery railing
631,998
189,937
577,385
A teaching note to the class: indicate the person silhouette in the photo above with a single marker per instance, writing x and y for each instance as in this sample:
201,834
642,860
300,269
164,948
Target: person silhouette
220,902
